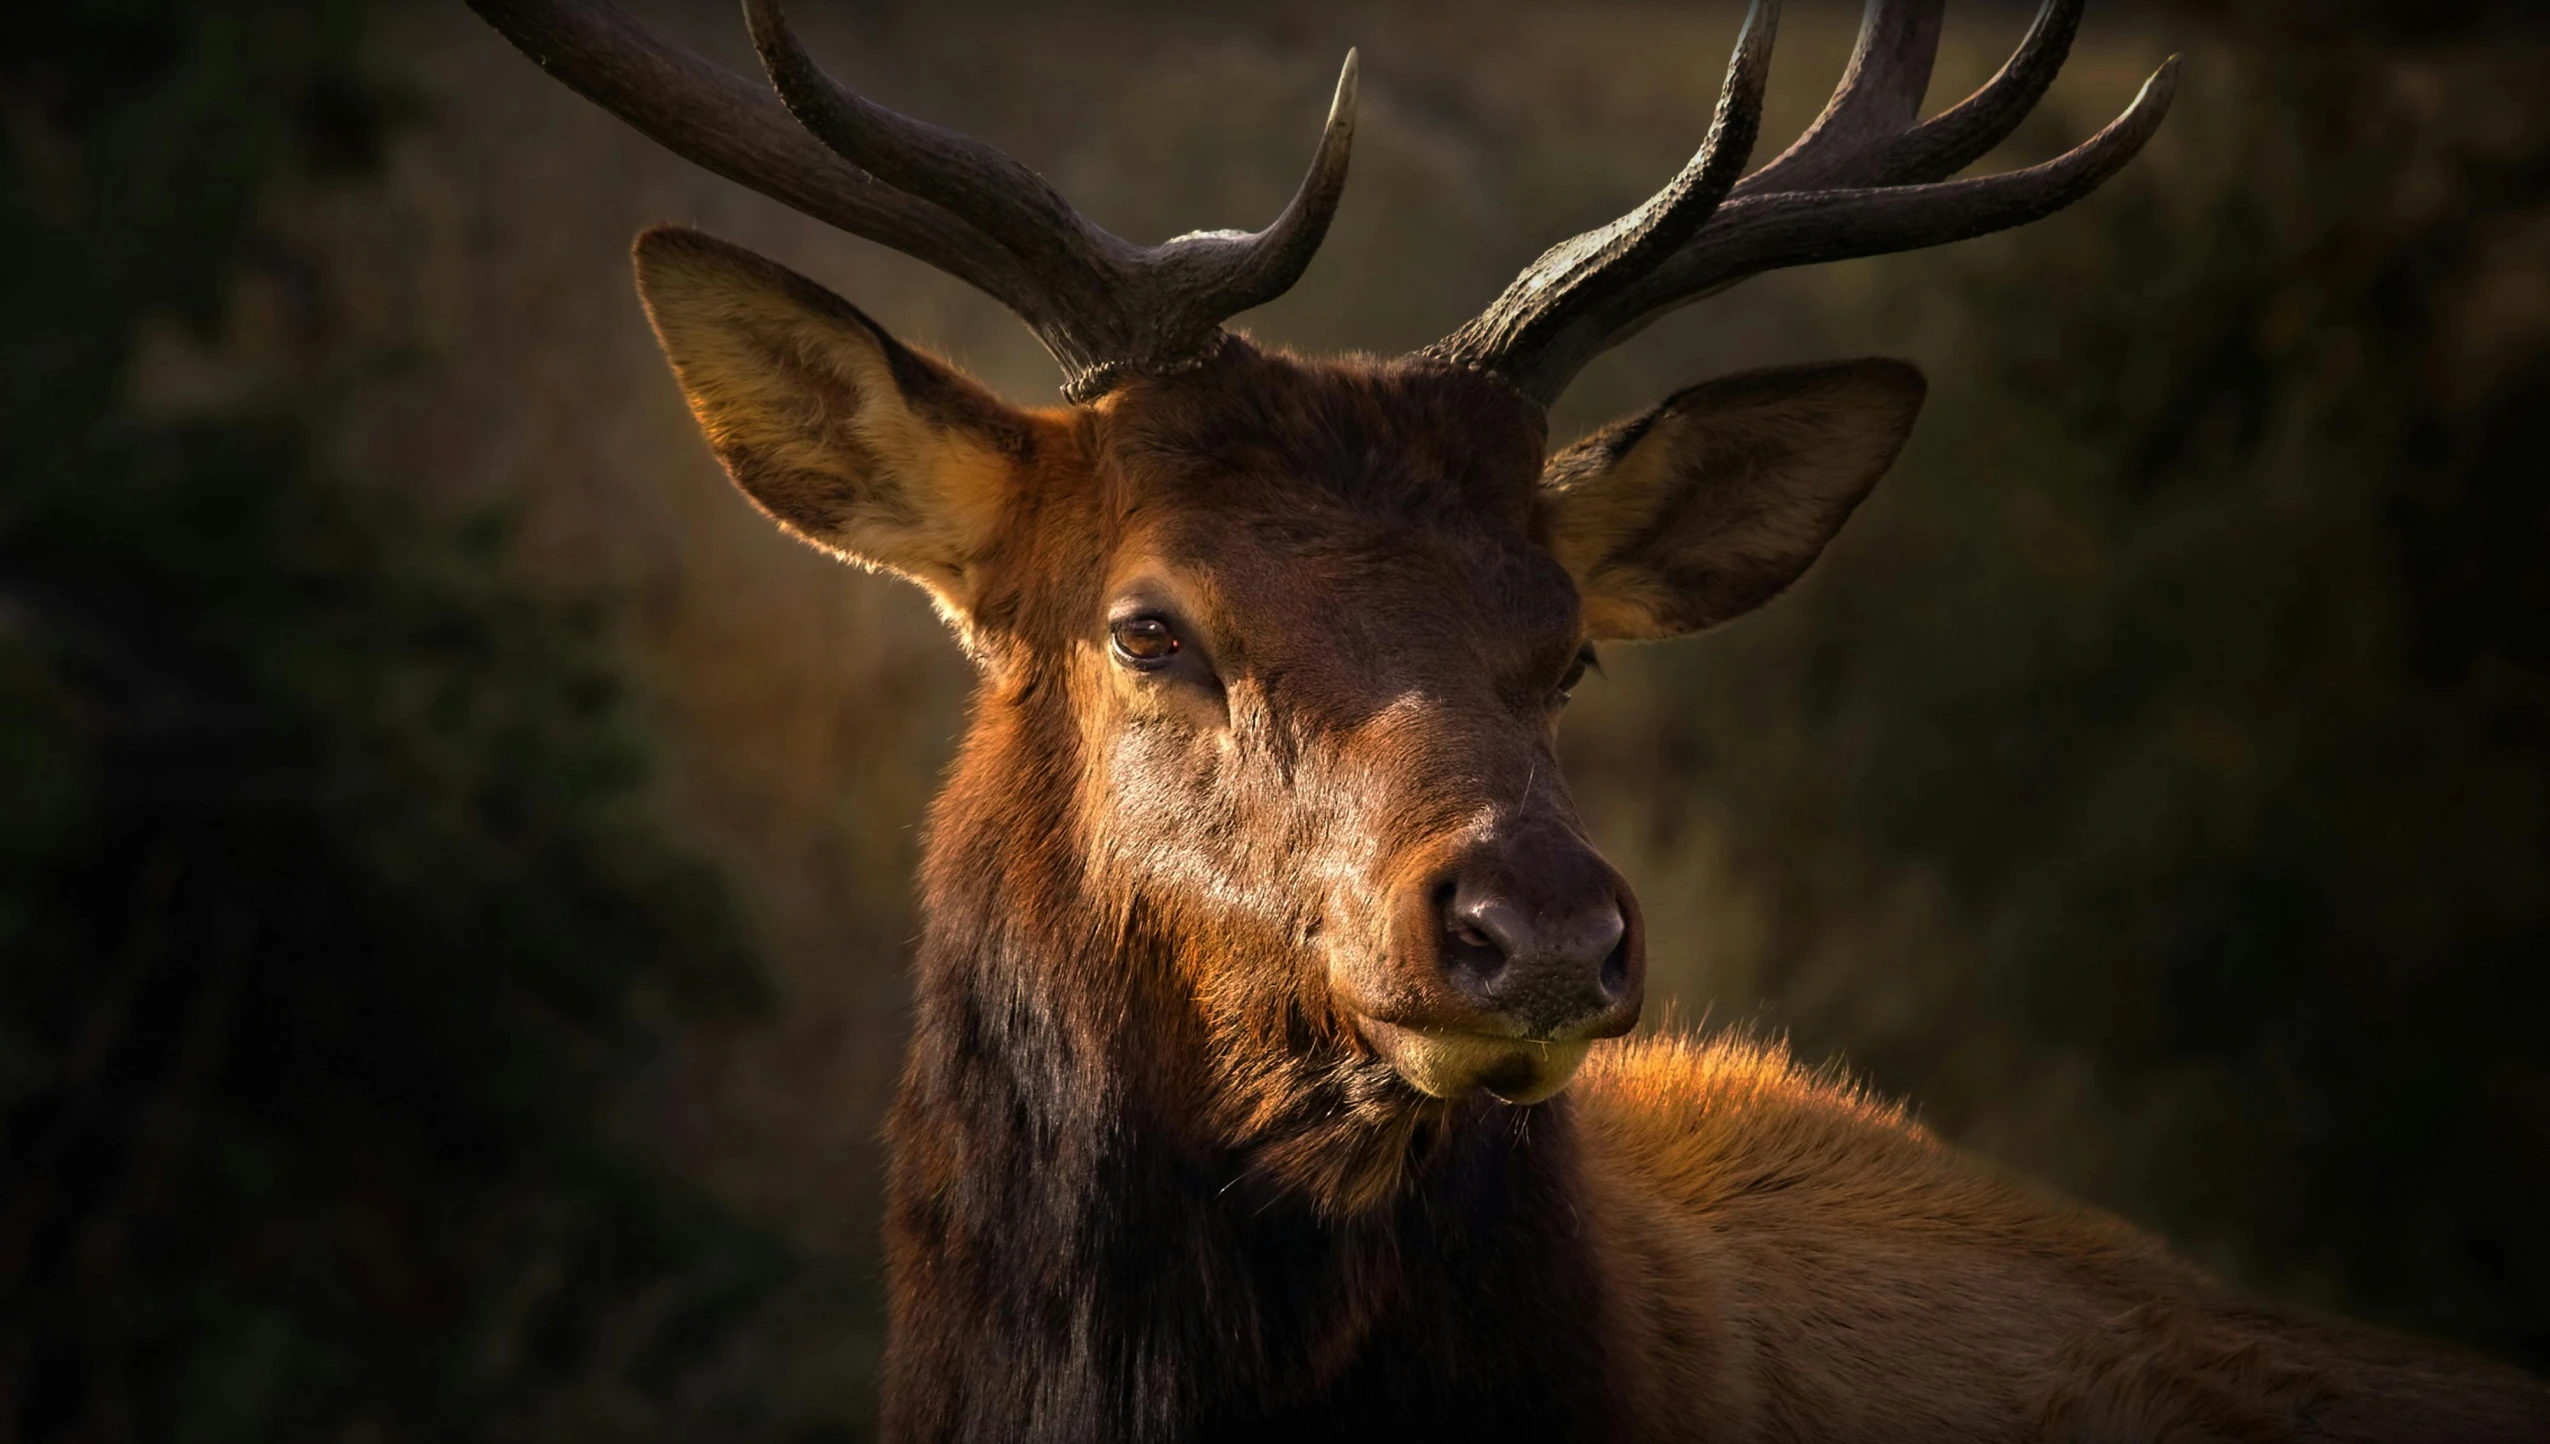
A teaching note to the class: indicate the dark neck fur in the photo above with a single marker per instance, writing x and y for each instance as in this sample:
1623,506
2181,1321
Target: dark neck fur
1068,1261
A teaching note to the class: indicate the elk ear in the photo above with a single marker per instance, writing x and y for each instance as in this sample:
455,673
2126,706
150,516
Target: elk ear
1711,504
845,436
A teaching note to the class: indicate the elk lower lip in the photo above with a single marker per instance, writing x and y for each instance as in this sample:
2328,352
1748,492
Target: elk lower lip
1453,1065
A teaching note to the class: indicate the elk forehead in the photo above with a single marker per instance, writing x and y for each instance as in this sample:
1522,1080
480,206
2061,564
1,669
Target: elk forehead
1324,520
1407,437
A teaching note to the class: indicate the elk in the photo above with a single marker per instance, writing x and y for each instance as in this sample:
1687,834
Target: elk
1267,1076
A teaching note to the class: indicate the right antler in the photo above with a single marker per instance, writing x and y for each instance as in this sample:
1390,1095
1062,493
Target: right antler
1104,306
1864,180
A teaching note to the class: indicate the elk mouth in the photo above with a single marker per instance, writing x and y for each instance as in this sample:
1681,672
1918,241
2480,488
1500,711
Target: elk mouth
1451,1065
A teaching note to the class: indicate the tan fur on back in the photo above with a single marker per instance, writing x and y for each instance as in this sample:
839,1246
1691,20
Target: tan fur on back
1792,1259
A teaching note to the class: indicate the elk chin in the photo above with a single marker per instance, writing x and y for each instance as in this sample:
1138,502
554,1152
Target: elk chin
1451,1066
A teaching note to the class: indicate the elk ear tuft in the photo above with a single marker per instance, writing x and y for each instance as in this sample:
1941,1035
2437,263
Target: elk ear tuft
1711,504
845,436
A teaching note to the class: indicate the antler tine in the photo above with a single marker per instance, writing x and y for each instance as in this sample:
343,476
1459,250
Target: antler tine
1961,135
1863,181
1878,98
1270,261
1580,274
1886,148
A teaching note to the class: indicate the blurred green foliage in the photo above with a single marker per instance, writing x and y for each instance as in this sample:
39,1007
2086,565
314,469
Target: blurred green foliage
333,916
2157,788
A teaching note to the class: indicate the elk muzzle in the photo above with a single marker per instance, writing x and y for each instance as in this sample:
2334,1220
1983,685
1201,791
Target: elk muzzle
1504,964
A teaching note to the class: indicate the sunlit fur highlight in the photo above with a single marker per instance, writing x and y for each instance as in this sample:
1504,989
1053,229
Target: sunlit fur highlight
845,437
1777,1213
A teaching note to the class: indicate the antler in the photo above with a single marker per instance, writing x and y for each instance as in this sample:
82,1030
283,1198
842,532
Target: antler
1864,180
1102,305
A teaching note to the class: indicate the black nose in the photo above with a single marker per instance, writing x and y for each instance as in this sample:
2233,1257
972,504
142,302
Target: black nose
1538,935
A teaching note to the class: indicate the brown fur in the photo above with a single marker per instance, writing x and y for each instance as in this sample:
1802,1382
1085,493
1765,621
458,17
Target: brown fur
1155,1174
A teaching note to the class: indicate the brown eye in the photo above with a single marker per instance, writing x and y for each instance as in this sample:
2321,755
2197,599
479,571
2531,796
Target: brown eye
1585,658
1144,641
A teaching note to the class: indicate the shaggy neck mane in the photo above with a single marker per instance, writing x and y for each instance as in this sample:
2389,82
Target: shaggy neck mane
1071,1245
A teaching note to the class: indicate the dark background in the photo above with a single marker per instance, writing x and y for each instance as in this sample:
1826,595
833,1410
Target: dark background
454,855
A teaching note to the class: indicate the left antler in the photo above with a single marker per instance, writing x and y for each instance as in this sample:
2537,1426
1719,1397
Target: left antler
1105,307
1864,180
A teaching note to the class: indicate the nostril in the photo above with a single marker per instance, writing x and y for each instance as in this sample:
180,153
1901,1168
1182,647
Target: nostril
1615,974
1474,943
1604,942
1442,895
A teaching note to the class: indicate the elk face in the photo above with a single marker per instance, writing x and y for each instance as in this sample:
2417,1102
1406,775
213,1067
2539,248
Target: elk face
1297,637
1277,648
1324,674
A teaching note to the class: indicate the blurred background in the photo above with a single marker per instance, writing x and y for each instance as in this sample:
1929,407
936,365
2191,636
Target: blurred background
455,855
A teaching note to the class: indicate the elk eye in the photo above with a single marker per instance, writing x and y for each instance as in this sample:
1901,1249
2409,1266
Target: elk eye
1143,641
1585,659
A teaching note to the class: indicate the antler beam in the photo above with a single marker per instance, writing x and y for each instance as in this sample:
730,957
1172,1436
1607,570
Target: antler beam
1104,306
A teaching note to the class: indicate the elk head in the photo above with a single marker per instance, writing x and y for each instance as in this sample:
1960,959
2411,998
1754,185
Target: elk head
1275,649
